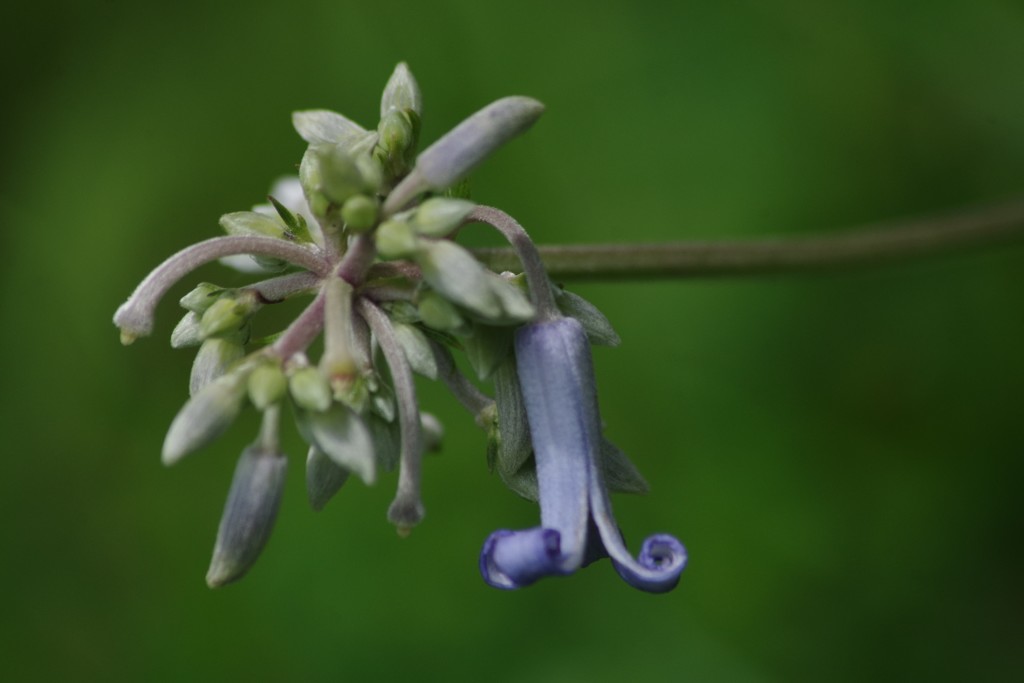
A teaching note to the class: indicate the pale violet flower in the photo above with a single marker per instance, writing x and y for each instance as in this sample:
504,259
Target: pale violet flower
557,379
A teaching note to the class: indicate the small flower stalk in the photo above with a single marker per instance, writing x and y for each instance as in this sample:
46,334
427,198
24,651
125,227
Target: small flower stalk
367,235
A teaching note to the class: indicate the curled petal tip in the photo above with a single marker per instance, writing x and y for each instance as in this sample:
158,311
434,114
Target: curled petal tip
514,559
661,560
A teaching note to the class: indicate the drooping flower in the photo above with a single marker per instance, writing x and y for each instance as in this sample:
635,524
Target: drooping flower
557,382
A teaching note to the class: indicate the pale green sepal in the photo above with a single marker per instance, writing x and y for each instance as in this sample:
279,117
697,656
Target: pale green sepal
487,347
417,349
214,358
344,438
249,514
401,92
620,475
320,126
310,389
523,481
459,277
324,478
186,332
599,331
439,216
515,307
387,441
514,444
252,223
205,416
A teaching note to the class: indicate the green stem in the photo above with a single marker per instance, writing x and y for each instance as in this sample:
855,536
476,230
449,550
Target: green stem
864,246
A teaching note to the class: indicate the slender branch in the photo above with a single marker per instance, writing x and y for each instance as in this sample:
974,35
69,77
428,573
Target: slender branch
303,330
465,392
135,316
526,252
277,289
406,510
864,246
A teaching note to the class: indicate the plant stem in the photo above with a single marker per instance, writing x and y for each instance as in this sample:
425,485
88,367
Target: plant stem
527,255
864,246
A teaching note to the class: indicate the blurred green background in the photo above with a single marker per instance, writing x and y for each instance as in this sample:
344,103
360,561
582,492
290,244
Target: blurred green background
840,453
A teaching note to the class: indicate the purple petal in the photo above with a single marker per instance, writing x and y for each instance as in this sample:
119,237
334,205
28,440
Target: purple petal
513,559
662,557
557,382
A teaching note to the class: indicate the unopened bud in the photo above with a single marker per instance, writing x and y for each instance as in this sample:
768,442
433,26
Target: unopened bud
228,314
267,385
395,239
204,417
401,92
439,216
310,389
437,312
249,514
360,212
202,297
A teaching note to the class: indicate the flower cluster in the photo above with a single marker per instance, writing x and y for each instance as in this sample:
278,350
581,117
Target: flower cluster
367,230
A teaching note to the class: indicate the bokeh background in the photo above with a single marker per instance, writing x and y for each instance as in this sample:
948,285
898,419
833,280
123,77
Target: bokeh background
841,453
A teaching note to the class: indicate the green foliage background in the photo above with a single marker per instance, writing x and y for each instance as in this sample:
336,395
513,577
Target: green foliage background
840,453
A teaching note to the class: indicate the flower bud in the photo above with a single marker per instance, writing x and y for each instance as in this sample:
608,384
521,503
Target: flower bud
249,514
228,314
417,349
267,385
202,297
205,416
310,389
252,223
401,92
395,239
360,212
439,216
186,332
322,127
458,277
343,437
215,357
437,312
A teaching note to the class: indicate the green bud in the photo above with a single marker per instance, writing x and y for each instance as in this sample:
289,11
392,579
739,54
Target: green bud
340,176
397,133
401,92
252,223
228,314
214,359
395,239
515,307
249,514
439,216
267,385
417,349
205,416
360,212
201,298
310,389
437,312
324,478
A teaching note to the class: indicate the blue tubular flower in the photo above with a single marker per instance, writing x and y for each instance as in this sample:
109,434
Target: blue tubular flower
557,379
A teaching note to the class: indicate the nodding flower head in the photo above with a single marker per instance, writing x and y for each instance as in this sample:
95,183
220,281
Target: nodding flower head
557,380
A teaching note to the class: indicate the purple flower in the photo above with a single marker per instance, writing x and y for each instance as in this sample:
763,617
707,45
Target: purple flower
557,379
